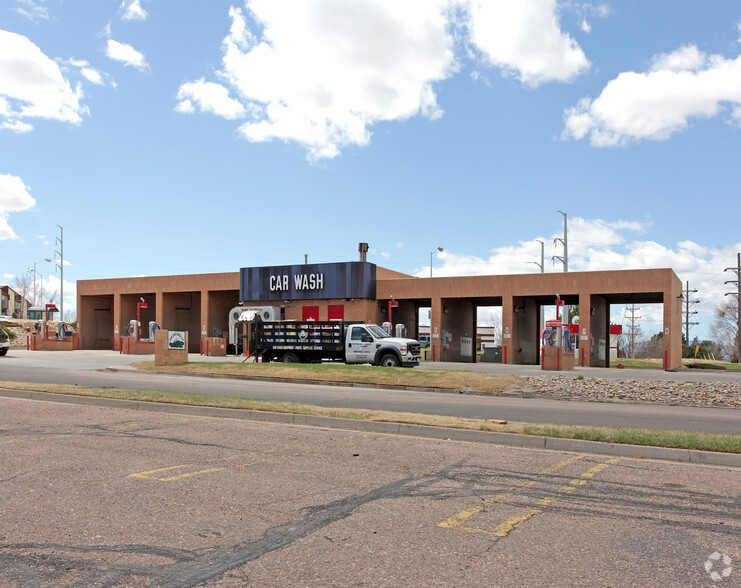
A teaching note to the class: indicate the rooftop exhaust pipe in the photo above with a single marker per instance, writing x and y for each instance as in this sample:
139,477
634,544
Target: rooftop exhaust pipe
363,249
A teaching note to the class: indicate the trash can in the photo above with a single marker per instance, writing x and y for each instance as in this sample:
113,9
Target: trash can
493,354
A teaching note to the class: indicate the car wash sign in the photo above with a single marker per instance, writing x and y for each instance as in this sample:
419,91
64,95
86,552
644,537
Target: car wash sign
354,279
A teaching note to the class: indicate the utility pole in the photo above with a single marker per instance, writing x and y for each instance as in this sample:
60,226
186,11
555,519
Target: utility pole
541,265
737,294
60,265
687,312
565,258
635,331
565,242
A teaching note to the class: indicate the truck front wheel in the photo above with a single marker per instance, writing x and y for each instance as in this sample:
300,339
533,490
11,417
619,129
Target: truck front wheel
389,360
291,358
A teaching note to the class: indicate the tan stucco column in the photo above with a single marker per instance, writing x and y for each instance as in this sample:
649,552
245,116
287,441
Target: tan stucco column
205,326
436,328
117,326
508,325
599,332
673,326
585,329
159,310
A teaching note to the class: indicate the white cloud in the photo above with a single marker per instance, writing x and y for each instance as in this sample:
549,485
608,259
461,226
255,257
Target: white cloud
322,73
132,10
33,10
14,197
525,39
679,87
209,97
584,11
32,86
126,54
51,285
91,74
9,276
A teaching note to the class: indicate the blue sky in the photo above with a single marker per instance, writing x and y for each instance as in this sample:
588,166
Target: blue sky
188,137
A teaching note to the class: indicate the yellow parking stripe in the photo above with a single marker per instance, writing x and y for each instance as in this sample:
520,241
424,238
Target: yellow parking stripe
152,474
463,516
511,524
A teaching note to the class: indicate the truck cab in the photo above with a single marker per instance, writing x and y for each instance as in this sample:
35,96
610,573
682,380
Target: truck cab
4,341
371,344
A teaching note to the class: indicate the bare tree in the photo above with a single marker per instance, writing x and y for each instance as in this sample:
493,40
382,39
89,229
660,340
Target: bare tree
724,329
495,323
25,287
44,296
23,284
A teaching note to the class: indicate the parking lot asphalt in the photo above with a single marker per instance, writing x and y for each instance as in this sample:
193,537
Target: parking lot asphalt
110,497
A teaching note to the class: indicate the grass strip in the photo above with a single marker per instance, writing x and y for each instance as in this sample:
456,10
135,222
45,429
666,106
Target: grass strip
455,380
649,437
686,362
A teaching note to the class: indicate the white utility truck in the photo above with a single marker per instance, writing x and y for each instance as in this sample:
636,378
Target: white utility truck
314,341
4,341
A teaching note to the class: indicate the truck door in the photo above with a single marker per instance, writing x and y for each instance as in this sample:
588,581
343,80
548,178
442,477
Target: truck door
359,345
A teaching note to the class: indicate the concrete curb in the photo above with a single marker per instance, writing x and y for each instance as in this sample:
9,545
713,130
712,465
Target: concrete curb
510,439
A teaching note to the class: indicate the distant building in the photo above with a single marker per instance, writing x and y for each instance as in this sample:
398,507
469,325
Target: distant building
13,304
202,305
38,313
616,339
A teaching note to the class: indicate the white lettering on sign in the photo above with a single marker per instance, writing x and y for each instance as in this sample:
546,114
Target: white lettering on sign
308,282
300,282
278,283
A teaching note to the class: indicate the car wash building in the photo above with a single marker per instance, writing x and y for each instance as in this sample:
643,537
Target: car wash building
361,291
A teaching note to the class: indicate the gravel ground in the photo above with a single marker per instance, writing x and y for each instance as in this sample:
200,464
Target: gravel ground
722,394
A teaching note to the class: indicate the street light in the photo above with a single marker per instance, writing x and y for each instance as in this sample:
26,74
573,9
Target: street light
34,276
440,249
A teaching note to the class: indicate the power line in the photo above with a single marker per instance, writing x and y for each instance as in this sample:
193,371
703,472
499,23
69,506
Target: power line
687,312
635,330
737,294
565,242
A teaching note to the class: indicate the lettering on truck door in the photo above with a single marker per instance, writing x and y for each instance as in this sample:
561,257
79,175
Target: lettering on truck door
360,346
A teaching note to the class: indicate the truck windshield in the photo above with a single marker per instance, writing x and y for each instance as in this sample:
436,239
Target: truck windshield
378,332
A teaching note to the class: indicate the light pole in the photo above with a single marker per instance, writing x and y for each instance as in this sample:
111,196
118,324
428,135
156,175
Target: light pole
432,347
34,277
60,265
565,258
440,249
541,265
